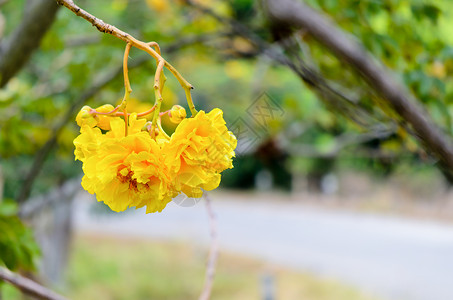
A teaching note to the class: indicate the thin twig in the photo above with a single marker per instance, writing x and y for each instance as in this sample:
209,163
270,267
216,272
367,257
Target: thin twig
213,252
28,286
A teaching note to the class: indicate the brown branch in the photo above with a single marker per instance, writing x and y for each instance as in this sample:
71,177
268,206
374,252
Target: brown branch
17,49
96,22
28,286
295,14
213,252
112,30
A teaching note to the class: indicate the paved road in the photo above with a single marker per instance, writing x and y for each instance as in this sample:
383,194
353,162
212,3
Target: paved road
388,257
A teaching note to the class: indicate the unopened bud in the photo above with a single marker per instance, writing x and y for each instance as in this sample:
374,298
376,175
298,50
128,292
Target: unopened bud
103,121
105,108
84,117
177,114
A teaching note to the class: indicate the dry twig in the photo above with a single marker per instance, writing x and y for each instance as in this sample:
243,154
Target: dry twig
28,286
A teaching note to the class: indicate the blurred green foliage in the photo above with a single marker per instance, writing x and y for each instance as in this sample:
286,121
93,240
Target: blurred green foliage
18,250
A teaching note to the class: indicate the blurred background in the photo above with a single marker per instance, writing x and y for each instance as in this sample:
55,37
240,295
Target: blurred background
332,194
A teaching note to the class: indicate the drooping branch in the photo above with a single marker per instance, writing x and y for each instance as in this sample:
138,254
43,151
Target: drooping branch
112,30
28,286
18,47
295,14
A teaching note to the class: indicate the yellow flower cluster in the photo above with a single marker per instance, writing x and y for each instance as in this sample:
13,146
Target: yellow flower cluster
137,169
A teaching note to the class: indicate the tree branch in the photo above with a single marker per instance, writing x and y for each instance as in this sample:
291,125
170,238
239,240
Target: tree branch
296,14
17,49
28,286
112,30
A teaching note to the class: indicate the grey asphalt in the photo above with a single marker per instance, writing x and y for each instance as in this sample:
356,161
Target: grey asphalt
386,257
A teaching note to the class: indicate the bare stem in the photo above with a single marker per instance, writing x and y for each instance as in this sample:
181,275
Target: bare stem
147,47
213,252
127,87
157,91
190,102
155,45
127,84
161,130
162,78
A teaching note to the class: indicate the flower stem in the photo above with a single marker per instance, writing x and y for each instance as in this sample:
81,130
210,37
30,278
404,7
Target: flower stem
157,92
127,86
190,102
159,126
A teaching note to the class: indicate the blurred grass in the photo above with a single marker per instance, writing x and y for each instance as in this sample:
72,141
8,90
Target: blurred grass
105,268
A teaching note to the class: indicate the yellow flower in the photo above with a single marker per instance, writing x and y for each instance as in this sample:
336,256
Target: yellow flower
140,170
201,148
84,117
87,143
128,171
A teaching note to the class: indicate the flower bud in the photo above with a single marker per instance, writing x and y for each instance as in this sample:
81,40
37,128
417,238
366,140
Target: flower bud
177,114
84,117
103,121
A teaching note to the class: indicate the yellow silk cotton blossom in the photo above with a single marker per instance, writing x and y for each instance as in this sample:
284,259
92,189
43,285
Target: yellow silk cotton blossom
201,147
124,171
137,170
